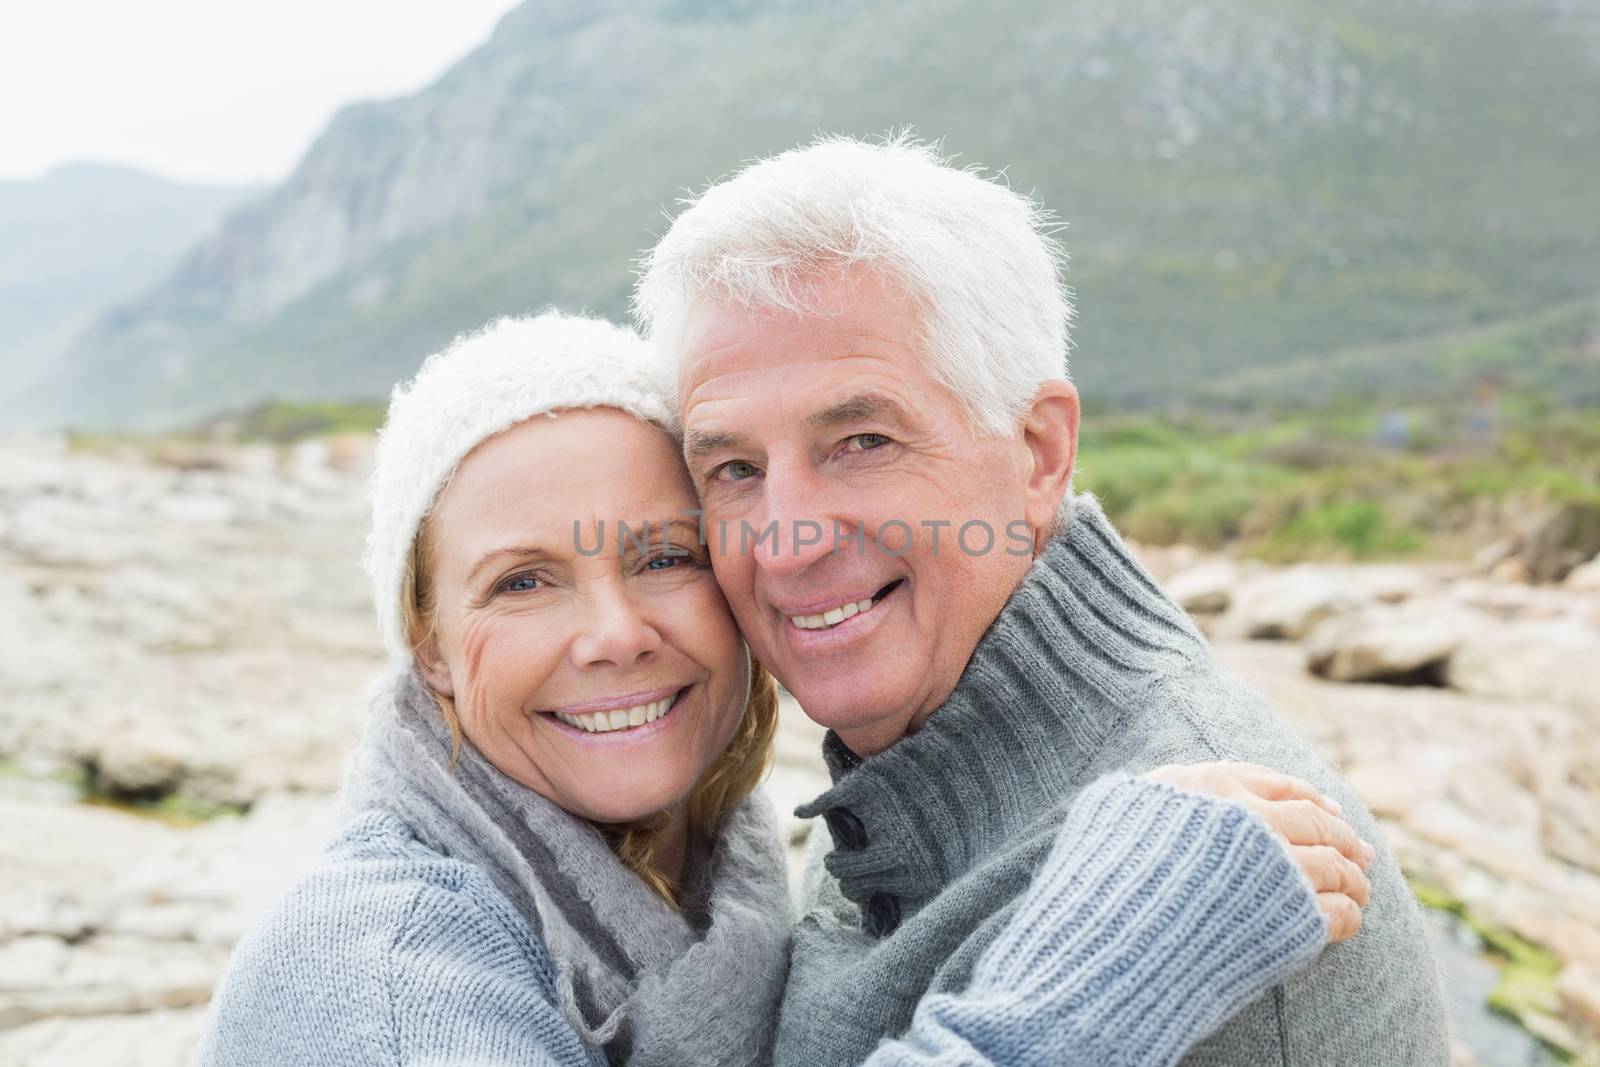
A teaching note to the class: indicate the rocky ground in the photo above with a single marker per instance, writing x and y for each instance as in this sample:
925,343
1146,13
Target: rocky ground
184,639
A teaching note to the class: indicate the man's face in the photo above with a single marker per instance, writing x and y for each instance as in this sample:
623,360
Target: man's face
830,427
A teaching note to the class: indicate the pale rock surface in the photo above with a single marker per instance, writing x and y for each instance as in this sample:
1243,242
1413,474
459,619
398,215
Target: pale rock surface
1579,989
1464,784
1208,589
162,1038
1390,641
197,621
1568,785
1286,604
1584,578
1514,602
1556,660
1390,583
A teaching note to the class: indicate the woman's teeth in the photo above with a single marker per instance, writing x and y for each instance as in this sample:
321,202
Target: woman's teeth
604,722
831,617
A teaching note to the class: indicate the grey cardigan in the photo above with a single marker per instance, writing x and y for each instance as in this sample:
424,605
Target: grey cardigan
1089,670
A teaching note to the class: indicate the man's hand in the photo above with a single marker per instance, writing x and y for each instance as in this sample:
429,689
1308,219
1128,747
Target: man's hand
1330,853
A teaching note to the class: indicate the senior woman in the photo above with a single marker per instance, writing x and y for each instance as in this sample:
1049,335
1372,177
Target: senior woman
554,849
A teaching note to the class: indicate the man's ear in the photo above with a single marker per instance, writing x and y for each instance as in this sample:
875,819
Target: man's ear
433,668
1050,430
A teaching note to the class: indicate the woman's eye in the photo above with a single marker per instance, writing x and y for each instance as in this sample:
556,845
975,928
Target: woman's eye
864,442
736,470
673,558
522,583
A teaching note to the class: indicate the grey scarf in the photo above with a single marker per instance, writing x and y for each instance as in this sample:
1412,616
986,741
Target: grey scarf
647,984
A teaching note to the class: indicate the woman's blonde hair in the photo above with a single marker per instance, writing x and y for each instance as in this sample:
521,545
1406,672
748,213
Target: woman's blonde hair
732,776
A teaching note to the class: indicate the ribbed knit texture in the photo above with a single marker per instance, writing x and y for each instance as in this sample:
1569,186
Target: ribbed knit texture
1156,915
389,954
630,975
633,975
1089,670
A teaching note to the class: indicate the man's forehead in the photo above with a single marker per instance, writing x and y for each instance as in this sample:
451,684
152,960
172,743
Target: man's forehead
855,311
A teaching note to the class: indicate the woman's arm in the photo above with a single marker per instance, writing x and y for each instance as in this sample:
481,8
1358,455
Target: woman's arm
1158,914
467,986
389,960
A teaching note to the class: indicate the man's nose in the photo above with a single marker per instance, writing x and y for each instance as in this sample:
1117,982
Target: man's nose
798,521
615,631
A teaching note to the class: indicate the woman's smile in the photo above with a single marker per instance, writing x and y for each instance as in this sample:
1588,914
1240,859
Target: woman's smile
619,715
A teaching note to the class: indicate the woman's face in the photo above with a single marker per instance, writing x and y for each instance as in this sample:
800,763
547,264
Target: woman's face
606,681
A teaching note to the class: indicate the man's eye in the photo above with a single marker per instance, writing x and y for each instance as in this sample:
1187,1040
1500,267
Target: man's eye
864,442
736,470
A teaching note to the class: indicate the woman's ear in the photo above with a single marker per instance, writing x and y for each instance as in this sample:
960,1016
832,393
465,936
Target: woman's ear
433,667
1050,431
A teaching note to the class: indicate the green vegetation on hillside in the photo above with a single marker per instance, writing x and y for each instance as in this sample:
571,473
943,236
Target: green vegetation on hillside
1246,181
1433,444
1551,353
1327,485
282,421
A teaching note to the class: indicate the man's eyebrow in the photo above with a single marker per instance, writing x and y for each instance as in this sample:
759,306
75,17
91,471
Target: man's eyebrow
698,444
857,408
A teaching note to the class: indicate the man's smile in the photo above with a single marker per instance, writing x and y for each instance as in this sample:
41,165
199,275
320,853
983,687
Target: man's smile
833,616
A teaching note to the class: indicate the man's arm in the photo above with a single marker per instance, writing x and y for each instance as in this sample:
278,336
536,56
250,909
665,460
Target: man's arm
1158,913
1374,999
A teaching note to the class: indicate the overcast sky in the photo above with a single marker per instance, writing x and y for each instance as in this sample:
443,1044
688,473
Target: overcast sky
210,90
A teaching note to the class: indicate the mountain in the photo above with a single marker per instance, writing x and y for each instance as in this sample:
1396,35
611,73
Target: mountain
80,239
1244,181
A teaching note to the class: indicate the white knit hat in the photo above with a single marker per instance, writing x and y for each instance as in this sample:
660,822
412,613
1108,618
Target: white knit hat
484,383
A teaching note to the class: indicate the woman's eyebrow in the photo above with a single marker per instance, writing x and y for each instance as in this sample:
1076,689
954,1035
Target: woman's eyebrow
655,531
497,553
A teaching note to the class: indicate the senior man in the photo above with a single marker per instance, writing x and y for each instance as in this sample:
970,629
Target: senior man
870,348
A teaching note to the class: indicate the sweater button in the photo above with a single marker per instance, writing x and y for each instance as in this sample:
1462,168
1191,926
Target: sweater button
848,833
882,916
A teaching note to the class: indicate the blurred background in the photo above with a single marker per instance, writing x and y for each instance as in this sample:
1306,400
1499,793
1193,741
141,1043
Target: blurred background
1337,270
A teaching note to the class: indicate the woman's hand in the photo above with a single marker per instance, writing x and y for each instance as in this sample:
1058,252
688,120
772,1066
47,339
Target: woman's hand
1327,849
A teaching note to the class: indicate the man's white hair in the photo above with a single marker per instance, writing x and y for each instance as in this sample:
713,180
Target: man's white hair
974,255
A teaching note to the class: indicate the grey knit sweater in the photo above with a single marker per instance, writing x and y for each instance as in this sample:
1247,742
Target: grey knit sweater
1090,669
393,954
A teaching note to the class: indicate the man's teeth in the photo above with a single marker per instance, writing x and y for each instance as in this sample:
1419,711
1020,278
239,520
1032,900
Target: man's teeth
603,722
831,617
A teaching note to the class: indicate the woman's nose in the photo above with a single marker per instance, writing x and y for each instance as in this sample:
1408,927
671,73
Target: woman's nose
614,632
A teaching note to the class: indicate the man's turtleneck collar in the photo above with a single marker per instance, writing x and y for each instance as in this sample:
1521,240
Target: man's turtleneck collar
1079,641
